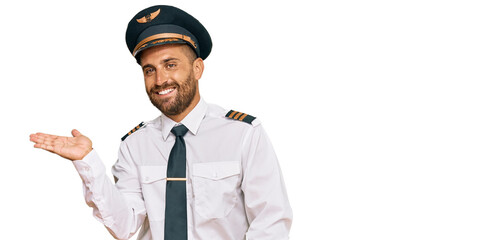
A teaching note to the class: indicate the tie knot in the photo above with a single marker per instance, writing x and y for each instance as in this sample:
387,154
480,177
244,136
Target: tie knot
179,130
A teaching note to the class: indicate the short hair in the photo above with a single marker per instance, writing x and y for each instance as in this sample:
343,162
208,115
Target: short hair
188,50
190,53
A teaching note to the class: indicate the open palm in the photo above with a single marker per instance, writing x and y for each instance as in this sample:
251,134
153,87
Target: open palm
72,148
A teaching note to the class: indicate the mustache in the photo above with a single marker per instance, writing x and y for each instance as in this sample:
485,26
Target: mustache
158,88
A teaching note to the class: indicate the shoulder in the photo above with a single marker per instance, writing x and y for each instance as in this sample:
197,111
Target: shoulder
232,116
138,127
141,127
239,116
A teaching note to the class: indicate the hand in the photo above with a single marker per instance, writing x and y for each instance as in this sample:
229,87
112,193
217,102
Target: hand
72,148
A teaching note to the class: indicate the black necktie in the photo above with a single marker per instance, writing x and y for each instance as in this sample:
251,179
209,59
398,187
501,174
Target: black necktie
175,218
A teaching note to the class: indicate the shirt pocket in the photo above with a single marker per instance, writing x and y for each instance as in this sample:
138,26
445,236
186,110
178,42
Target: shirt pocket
215,187
153,183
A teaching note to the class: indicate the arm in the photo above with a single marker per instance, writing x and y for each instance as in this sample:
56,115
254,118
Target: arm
266,202
119,207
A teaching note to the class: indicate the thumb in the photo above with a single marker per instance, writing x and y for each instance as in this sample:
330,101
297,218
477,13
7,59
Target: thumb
76,133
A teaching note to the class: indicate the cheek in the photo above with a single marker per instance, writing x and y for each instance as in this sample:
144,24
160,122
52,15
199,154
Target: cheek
176,76
148,84
182,77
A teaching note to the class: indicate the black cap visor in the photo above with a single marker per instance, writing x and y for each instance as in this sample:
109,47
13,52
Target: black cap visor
165,34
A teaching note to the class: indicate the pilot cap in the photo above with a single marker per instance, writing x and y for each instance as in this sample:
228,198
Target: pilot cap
162,24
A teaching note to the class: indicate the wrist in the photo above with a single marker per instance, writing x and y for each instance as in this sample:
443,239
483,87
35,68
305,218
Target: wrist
86,152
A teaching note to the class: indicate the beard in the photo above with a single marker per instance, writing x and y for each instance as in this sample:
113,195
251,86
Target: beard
174,105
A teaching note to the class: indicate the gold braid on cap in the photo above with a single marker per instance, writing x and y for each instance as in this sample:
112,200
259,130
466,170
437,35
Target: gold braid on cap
163,35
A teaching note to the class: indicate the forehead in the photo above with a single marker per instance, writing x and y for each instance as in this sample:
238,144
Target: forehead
161,52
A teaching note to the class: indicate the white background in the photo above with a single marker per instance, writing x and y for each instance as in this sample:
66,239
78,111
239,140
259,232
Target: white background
386,115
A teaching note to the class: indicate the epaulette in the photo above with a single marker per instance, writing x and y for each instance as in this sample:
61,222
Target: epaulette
133,130
240,116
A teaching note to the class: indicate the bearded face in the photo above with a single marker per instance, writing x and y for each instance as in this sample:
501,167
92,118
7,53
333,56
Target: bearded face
171,75
172,98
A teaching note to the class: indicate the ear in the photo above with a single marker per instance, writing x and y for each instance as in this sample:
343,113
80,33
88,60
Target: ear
198,68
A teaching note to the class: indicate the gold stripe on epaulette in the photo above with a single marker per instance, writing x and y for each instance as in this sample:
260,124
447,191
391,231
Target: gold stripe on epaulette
242,117
132,131
237,115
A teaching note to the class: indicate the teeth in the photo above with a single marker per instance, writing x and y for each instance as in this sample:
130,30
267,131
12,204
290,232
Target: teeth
163,92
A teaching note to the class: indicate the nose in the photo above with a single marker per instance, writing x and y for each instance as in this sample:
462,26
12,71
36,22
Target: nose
160,78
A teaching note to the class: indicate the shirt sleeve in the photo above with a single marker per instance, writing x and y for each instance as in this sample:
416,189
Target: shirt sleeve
266,202
120,207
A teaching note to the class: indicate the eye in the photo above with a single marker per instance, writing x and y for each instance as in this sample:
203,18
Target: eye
170,65
148,71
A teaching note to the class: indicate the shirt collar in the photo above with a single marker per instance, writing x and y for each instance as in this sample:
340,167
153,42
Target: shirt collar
192,121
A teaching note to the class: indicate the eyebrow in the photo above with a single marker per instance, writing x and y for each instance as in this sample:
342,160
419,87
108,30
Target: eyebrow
146,66
163,61
170,59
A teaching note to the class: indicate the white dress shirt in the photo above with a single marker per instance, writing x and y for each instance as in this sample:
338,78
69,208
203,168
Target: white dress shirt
235,189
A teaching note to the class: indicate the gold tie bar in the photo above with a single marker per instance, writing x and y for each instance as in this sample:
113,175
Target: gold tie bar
176,179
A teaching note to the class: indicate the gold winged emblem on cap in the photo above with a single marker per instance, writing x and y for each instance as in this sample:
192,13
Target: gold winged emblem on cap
149,17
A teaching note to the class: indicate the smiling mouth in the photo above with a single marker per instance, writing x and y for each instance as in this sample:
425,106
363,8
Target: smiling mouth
166,91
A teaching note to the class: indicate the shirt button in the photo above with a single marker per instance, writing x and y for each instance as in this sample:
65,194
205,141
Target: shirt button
147,179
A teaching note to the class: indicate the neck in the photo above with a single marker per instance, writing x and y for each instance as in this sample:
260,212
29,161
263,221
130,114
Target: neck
179,117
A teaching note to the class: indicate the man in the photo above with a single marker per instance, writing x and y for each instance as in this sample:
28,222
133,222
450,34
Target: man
195,172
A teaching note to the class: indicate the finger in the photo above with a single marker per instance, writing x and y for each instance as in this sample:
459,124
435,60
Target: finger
49,148
33,137
45,135
48,140
76,133
40,137
36,138
43,145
